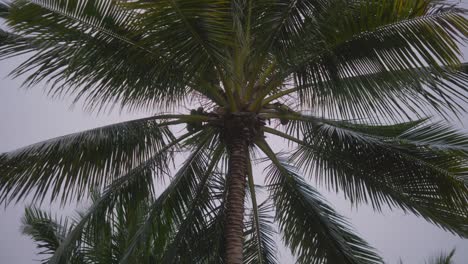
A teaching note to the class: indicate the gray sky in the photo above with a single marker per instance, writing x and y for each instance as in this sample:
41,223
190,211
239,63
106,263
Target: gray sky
28,116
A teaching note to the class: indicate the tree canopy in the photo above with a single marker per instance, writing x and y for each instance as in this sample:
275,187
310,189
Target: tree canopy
350,84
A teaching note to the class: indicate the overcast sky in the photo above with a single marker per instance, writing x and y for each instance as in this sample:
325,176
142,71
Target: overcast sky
28,116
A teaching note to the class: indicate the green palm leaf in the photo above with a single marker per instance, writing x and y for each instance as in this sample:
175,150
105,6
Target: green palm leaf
390,94
47,232
260,245
71,39
171,208
109,242
416,166
66,167
103,245
209,245
136,185
194,25
355,43
197,217
311,228
443,258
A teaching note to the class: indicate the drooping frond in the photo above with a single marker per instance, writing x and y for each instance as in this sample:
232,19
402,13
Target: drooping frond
67,167
311,228
13,44
390,95
103,239
260,244
97,51
350,61
417,166
197,217
105,20
206,244
47,232
171,208
136,185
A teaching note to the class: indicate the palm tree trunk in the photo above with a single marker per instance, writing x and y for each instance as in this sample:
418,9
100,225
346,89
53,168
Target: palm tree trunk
234,225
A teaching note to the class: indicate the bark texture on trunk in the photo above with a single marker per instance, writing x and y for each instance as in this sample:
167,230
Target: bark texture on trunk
234,224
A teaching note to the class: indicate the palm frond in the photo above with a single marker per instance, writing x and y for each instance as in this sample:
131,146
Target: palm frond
103,19
136,185
66,167
208,245
93,50
170,209
193,25
193,35
47,232
437,136
276,24
311,228
393,95
105,237
344,52
443,258
417,166
260,244
13,44
197,217
4,9
102,239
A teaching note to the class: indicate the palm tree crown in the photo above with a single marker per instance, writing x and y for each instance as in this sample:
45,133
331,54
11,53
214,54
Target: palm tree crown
348,83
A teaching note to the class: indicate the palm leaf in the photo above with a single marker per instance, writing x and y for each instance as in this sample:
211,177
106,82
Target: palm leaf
104,239
336,69
276,24
197,217
311,228
136,185
192,35
47,232
170,209
92,50
418,167
66,167
443,258
210,244
390,94
108,242
193,25
260,244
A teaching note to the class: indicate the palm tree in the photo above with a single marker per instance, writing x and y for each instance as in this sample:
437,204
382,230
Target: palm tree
348,83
